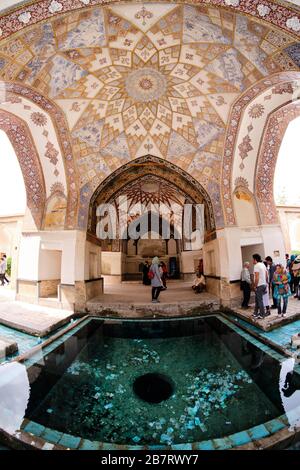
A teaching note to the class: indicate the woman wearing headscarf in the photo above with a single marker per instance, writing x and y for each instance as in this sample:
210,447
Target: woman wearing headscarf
156,282
295,269
282,289
292,281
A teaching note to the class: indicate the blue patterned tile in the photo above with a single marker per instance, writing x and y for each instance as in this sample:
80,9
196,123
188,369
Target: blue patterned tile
182,447
51,435
222,444
34,428
258,432
69,441
205,445
89,445
274,425
240,438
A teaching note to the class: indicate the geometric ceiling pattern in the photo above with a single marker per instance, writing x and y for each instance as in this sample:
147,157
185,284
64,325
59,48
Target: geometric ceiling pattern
150,191
155,79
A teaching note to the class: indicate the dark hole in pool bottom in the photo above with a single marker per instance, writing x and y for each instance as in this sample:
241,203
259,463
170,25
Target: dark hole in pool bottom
154,387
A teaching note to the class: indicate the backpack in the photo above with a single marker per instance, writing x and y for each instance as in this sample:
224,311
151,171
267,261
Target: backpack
151,274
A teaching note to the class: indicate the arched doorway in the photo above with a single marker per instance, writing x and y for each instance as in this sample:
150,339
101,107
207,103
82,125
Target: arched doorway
12,205
157,197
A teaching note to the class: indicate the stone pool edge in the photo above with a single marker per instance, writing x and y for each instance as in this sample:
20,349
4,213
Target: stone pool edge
274,434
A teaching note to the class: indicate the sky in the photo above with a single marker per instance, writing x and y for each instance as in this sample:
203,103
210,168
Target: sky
12,188
286,185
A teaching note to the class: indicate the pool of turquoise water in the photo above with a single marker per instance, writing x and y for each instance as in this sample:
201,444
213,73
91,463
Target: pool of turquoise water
222,383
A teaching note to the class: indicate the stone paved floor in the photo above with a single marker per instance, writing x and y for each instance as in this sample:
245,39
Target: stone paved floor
273,320
32,319
134,292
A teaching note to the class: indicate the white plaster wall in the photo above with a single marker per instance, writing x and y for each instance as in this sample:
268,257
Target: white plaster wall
274,241
245,212
72,245
111,263
29,258
248,252
231,240
211,251
50,265
188,260
90,251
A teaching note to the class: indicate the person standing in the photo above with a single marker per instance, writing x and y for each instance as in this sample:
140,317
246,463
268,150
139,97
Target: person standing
156,281
5,267
260,285
2,270
282,288
295,274
271,270
164,274
287,262
291,269
266,298
146,280
246,285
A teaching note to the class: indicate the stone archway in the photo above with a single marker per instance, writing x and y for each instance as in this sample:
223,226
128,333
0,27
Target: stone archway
21,140
151,181
152,166
276,127
13,93
282,85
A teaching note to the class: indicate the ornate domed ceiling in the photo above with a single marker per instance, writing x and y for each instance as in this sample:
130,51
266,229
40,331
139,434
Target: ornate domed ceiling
140,79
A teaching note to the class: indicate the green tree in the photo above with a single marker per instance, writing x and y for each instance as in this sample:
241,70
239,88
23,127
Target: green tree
9,266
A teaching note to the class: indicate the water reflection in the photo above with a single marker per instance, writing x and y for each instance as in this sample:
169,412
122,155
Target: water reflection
14,396
290,392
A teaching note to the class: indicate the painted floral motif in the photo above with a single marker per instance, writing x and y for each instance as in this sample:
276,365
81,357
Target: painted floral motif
39,119
24,17
256,111
241,182
293,23
245,147
57,188
146,84
283,88
55,7
51,153
263,10
143,14
232,3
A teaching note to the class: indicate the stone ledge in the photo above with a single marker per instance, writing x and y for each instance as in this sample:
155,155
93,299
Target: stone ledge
140,310
7,347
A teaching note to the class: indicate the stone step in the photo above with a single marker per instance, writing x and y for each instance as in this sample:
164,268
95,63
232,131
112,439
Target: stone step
7,347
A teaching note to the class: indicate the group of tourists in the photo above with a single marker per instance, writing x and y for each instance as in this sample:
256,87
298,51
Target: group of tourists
156,274
270,277
3,269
